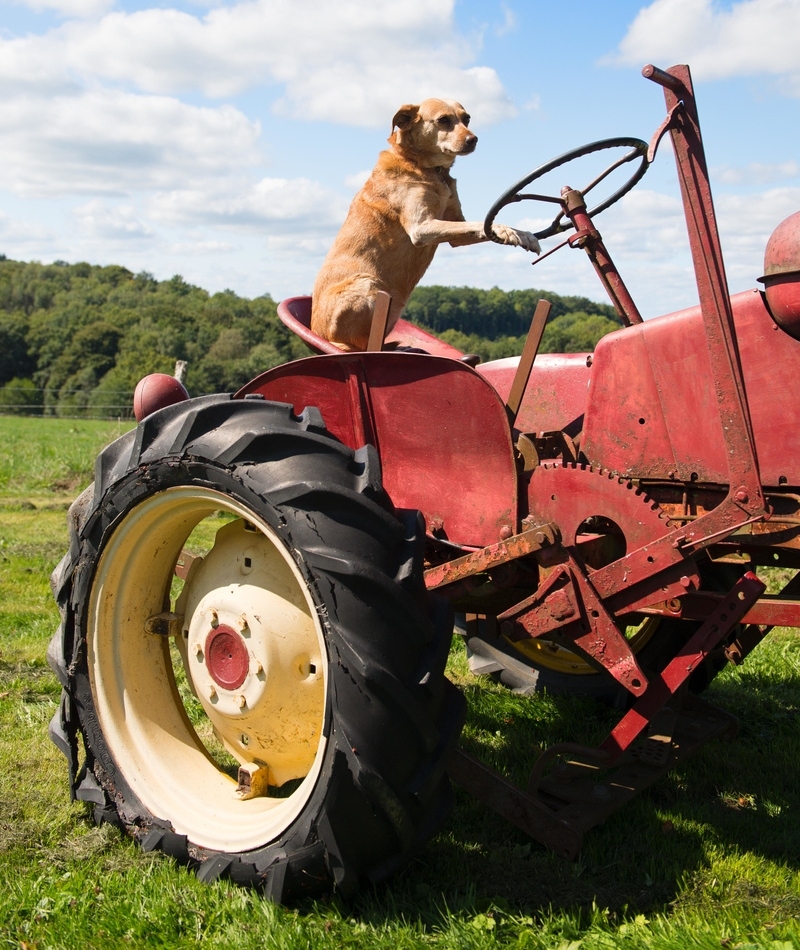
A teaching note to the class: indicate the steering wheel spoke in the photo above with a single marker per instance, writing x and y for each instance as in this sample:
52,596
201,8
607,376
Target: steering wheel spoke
637,150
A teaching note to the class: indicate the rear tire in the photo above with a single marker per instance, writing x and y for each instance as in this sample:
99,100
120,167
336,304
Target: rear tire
303,641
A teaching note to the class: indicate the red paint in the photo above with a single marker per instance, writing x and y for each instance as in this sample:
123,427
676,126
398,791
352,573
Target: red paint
226,657
156,391
440,429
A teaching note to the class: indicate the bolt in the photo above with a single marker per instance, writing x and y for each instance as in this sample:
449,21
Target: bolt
686,582
212,691
214,618
742,496
243,624
257,667
240,701
198,650
505,533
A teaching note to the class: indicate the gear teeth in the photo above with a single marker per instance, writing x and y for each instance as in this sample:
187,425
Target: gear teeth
557,469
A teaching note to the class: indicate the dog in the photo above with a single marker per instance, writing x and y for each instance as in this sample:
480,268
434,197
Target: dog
407,207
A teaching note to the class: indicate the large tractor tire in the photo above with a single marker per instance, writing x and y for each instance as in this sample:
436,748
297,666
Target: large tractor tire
282,717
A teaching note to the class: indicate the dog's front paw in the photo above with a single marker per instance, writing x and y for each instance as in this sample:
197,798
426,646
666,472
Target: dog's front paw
524,239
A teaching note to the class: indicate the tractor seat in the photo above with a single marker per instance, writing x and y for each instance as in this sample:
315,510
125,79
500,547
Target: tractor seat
295,313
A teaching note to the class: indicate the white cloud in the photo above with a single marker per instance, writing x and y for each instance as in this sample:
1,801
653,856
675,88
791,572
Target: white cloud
752,37
284,204
98,220
111,142
331,69
756,173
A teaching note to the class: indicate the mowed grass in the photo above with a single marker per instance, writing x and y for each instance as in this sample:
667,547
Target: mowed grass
707,858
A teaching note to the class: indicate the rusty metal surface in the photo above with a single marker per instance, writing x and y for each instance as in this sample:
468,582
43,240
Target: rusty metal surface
525,365
653,412
589,238
583,791
517,807
567,609
712,286
711,634
529,541
556,394
435,423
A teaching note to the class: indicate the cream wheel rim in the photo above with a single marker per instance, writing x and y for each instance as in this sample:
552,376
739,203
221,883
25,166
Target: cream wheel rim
249,636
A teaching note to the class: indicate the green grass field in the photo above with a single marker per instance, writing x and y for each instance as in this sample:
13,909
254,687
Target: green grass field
708,858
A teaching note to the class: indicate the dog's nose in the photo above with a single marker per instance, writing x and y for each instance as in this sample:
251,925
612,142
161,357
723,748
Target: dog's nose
470,141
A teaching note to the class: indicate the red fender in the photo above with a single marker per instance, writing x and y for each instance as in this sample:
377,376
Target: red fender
440,429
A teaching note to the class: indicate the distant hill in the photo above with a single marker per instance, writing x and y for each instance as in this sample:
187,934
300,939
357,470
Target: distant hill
76,338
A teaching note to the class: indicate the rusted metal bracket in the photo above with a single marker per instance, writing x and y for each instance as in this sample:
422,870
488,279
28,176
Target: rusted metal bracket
530,541
525,365
515,805
568,610
711,634
573,788
583,790
715,306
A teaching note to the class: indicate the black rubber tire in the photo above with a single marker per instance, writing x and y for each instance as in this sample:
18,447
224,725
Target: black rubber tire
498,658
391,716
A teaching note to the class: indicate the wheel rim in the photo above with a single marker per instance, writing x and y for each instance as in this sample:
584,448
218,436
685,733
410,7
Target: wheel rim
249,645
549,655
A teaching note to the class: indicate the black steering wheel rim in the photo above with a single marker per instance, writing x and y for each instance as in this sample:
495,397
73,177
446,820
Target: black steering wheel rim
512,195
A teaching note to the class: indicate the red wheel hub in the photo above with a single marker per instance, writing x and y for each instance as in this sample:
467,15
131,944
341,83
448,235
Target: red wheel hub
227,659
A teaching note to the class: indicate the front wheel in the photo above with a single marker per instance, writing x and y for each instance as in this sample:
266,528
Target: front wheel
281,715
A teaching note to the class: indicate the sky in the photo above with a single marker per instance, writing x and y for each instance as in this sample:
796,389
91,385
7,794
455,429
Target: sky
224,140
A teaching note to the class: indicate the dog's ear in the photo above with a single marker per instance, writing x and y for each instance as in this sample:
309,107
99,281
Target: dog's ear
405,117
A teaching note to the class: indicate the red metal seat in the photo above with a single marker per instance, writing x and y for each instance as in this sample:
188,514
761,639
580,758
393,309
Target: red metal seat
295,313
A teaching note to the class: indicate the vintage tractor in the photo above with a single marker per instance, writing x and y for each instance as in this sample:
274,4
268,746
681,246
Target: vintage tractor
276,710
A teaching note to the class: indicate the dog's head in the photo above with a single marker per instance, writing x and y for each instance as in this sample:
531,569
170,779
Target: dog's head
436,132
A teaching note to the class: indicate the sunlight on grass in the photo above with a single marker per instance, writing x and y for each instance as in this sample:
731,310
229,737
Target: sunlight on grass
707,858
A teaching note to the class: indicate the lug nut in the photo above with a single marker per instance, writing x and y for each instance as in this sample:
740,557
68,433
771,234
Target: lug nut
240,701
214,618
212,691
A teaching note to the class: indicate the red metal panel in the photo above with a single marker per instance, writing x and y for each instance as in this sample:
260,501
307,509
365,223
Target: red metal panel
660,372
556,394
440,429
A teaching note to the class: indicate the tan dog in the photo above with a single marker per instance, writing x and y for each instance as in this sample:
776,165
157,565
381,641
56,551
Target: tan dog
408,205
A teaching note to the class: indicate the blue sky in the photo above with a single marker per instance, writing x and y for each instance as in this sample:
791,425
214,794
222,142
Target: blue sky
224,140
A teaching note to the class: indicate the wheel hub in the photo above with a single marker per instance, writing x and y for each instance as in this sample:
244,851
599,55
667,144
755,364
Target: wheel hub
226,657
252,654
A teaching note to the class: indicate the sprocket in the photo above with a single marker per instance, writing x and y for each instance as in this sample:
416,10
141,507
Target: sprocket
581,499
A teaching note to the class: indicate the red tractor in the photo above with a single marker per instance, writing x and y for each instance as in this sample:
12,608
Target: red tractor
276,710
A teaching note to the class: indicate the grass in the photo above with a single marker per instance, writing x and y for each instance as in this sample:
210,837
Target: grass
708,858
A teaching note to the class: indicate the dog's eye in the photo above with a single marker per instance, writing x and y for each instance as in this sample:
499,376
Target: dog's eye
465,119
445,121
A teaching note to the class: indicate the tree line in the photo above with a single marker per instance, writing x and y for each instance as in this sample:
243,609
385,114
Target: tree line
76,338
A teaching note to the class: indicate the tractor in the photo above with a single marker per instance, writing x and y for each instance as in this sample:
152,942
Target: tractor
275,709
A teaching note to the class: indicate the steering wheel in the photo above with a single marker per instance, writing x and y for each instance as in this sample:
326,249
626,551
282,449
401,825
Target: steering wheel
638,149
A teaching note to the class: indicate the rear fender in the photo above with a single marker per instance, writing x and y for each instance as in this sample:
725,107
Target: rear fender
440,429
